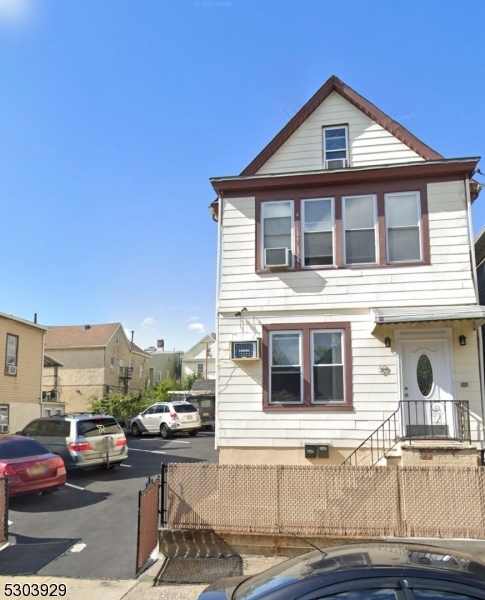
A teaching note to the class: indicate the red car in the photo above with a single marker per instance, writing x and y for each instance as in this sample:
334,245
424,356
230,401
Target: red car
29,466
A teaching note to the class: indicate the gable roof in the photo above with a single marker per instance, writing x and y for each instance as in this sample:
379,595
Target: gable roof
206,339
334,84
138,350
78,336
23,321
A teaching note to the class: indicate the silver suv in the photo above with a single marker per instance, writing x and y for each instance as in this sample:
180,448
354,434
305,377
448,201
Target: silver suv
83,440
166,418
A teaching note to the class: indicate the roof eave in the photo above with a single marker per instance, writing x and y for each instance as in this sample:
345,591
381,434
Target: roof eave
464,167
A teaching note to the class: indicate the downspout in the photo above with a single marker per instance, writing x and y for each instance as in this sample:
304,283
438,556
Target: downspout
42,370
218,293
475,285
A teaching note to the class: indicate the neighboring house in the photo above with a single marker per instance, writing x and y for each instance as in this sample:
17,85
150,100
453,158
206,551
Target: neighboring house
347,306
201,359
97,360
51,391
21,357
164,365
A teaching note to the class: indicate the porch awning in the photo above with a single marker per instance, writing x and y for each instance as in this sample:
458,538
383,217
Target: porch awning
427,314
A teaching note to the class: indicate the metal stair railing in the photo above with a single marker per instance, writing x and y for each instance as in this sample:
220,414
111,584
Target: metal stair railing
377,445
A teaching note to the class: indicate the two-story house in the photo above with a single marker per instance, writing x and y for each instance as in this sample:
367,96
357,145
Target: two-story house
21,359
200,359
97,360
347,307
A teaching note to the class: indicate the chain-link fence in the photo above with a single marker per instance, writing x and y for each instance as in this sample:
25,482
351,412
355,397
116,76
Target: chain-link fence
333,500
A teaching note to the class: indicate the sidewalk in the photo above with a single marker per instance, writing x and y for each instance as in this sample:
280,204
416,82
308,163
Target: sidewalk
142,588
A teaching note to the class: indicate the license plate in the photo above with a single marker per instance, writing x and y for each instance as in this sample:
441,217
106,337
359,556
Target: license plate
189,417
37,470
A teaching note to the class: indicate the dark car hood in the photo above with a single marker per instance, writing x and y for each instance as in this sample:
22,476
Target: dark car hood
222,589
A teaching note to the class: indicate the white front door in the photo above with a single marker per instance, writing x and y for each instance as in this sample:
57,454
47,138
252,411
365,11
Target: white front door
426,381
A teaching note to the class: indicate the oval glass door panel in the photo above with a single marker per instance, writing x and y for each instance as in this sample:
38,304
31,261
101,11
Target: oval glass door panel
424,375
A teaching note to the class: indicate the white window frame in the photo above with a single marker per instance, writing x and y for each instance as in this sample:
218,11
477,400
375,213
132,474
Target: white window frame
292,230
302,234
270,364
344,229
122,365
141,370
117,339
417,195
200,368
347,149
112,366
159,376
342,364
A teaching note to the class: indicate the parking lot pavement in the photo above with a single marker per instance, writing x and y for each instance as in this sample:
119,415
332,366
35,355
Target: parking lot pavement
97,510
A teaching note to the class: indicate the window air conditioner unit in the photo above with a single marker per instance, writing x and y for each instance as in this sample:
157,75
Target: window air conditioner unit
338,163
12,370
3,428
245,350
277,257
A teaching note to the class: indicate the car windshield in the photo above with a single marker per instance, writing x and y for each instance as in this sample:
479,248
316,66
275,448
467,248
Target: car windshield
184,408
21,449
98,426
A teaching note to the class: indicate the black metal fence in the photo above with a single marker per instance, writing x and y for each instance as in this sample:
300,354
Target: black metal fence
435,420
3,510
414,420
148,519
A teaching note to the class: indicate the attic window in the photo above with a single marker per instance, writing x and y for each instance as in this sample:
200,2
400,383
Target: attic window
335,147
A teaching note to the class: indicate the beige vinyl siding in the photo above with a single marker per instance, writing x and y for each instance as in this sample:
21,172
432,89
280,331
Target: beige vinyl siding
370,144
23,391
447,280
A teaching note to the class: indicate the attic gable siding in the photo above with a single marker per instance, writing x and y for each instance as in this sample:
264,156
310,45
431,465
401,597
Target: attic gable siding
370,144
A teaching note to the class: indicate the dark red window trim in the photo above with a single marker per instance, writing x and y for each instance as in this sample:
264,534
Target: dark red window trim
306,329
16,354
379,189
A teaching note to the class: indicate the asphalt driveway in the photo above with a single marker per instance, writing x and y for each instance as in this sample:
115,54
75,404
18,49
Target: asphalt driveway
95,514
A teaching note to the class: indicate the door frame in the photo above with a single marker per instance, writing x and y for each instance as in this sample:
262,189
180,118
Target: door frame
444,334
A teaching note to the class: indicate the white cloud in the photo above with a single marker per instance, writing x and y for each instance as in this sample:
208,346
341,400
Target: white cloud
194,319
147,323
197,327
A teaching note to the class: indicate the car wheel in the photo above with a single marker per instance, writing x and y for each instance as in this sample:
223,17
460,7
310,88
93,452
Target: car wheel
193,433
165,431
135,430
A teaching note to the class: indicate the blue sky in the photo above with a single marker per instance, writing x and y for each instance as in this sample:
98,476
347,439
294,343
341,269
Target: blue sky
115,113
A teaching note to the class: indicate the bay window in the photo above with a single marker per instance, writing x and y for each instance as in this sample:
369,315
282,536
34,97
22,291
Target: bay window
403,217
318,225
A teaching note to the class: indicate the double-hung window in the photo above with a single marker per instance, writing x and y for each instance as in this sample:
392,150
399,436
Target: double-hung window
112,364
335,147
307,366
403,221
277,234
360,229
286,381
11,354
327,366
318,227
122,365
